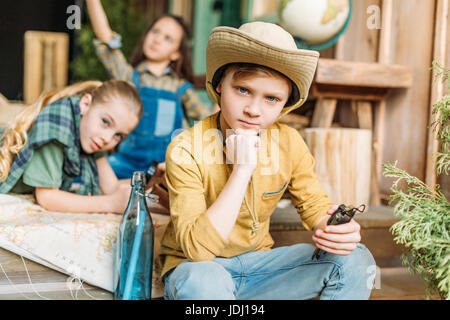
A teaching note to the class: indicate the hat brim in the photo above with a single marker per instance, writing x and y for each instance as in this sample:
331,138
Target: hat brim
230,45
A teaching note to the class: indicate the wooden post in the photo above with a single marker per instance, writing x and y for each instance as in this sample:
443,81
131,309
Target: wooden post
384,57
343,162
182,8
45,63
324,112
437,89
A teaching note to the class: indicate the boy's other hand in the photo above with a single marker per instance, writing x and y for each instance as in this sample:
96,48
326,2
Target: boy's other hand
242,149
337,239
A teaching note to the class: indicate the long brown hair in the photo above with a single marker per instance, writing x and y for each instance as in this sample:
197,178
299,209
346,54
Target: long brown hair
183,65
15,137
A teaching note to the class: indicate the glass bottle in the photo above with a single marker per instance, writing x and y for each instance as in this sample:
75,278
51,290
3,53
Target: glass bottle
133,263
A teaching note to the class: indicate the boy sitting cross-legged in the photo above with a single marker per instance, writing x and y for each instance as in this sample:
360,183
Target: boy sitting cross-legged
227,173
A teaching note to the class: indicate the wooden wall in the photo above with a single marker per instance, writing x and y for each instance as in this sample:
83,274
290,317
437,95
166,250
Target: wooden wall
406,37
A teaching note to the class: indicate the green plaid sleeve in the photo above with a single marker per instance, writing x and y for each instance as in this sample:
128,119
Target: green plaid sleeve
195,108
114,61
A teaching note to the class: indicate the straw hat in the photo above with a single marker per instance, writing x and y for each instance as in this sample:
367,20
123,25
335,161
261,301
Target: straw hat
262,43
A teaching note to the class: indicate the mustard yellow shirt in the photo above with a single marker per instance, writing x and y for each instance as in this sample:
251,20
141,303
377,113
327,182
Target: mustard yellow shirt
197,172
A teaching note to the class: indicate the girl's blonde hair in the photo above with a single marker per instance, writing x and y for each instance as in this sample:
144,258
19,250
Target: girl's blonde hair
15,137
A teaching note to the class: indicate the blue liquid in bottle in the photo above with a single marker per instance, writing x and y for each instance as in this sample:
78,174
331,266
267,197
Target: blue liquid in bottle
133,263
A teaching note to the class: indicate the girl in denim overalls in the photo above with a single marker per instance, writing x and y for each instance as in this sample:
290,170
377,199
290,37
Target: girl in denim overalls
160,68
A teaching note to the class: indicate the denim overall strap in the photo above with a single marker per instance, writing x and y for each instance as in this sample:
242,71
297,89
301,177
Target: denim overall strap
162,115
136,79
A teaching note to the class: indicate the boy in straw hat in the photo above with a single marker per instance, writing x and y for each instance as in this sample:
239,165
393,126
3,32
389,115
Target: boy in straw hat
227,173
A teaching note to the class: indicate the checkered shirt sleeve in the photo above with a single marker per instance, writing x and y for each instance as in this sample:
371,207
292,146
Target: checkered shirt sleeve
114,61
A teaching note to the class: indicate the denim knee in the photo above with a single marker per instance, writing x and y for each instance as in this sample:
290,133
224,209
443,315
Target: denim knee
356,272
199,281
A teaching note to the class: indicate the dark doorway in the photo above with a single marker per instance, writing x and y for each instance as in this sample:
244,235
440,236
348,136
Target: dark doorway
16,17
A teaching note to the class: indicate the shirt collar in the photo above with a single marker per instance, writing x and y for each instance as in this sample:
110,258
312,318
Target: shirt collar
142,68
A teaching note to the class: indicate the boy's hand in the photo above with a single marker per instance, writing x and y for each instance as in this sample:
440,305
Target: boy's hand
337,239
242,149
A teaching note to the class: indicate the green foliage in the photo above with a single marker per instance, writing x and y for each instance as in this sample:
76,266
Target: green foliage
424,227
123,19
441,125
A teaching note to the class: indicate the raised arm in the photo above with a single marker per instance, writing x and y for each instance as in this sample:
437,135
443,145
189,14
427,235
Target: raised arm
99,20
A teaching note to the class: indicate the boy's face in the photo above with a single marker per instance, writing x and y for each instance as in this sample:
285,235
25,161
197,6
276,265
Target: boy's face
253,101
103,126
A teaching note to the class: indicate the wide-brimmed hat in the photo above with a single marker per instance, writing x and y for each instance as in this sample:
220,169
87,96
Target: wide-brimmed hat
265,44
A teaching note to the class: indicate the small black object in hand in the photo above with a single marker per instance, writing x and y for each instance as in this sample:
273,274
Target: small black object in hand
342,215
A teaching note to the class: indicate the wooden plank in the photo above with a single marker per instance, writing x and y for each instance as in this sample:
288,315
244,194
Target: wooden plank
61,56
323,113
32,68
25,279
347,92
406,119
364,112
45,63
365,119
182,8
359,43
384,56
362,74
437,88
343,159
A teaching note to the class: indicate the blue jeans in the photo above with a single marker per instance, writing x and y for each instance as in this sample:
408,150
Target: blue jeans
286,273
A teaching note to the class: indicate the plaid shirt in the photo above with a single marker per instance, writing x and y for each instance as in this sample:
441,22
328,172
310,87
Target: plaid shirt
118,67
58,121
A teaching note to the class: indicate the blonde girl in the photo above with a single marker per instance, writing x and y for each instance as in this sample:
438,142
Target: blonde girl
160,68
65,135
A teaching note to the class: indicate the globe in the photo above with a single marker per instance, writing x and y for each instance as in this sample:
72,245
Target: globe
314,21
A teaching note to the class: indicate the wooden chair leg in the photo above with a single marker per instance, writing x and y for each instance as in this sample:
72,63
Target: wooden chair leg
324,113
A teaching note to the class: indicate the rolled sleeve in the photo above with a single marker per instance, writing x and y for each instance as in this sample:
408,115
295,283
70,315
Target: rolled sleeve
194,232
195,108
45,167
114,61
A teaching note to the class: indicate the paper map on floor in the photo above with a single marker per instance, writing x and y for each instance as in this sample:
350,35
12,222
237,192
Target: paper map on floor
80,245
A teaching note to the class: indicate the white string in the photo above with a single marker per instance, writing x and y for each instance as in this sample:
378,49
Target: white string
72,279
13,285
82,287
70,284
31,283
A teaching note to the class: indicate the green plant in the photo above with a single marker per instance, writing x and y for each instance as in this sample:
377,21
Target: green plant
424,227
125,19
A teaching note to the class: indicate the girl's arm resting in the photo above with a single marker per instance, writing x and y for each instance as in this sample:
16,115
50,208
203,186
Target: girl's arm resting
62,201
107,178
99,20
